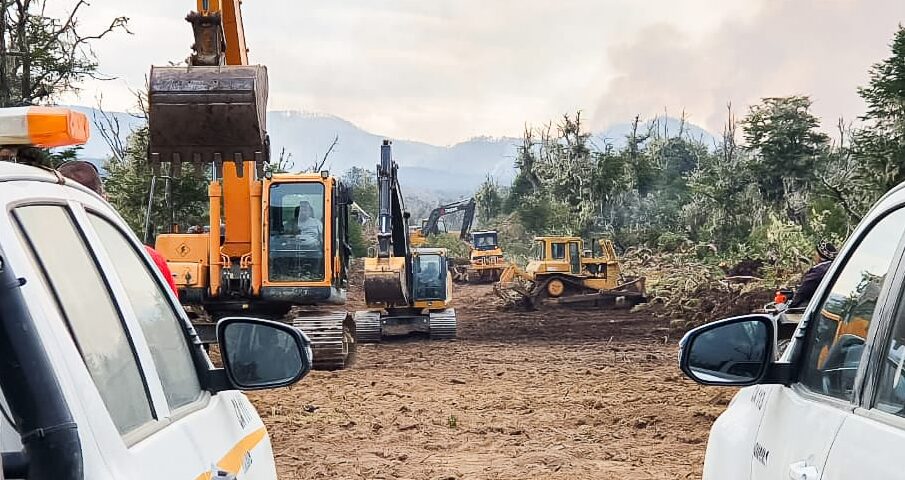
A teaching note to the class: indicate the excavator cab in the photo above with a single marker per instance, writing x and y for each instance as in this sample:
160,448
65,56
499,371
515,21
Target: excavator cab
296,234
484,241
306,224
431,272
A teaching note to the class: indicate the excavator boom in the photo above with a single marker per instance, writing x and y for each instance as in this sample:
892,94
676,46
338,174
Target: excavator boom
431,226
275,242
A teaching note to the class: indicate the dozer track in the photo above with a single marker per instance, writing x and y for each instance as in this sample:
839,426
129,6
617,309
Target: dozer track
333,339
627,294
367,327
443,324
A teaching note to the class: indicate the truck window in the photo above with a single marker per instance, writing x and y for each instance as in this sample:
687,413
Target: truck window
835,342
84,299
558,251
155,314
891,389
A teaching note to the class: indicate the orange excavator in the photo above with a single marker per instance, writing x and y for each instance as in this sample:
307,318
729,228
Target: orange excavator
277,244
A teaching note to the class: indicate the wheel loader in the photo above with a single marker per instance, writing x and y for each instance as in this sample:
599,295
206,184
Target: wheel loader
407,290
277,245
563,272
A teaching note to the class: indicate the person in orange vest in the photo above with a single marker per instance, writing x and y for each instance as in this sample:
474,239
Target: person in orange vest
87,175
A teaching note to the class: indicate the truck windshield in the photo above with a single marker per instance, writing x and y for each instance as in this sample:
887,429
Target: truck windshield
296,248
430,277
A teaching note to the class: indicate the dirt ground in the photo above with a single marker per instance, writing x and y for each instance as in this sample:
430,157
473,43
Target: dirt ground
556,394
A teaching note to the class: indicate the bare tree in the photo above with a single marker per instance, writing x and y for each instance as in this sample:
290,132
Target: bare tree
42,56
319,166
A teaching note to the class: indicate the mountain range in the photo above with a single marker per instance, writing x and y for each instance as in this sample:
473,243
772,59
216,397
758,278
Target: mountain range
451,170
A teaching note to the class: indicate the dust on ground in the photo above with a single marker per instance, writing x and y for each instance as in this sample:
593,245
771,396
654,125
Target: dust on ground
552,394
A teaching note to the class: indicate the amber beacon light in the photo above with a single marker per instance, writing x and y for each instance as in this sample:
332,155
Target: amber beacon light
46,127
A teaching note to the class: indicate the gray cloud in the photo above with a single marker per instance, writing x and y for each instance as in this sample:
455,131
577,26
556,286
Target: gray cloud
443,71
822,48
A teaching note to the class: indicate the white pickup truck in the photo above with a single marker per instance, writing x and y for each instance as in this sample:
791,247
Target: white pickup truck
101,373
832,407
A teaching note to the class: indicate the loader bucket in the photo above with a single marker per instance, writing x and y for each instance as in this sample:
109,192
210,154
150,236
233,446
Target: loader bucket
201,115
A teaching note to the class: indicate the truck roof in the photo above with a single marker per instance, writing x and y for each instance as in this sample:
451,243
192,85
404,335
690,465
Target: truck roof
11,172
17,171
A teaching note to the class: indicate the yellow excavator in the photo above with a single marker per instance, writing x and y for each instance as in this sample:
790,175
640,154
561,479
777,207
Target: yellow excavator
563,272
431,225
407,289
276,244
485,263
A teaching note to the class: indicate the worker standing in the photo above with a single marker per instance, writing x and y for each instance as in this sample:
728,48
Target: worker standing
87,175
825,254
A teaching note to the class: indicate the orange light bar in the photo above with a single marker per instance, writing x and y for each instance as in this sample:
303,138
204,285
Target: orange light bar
45,127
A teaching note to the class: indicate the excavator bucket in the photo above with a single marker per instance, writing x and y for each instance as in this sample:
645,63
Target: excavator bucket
204,115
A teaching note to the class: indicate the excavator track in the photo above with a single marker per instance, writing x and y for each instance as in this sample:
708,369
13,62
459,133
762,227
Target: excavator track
332,338
367,327
443,324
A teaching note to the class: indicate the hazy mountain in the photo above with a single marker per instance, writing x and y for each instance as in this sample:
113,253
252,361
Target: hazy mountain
449,171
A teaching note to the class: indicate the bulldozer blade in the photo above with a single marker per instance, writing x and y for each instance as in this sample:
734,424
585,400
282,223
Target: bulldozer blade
204,115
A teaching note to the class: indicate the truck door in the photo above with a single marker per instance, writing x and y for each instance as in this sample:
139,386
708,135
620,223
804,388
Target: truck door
801,422
870,441
119,394
222,430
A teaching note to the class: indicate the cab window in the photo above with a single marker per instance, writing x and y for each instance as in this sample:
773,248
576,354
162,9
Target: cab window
558,251
538,250
296,232
835,342
430,279
89,310
152,309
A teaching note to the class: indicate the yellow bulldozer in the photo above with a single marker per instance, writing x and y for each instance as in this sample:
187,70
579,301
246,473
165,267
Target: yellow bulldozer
563,272
486,263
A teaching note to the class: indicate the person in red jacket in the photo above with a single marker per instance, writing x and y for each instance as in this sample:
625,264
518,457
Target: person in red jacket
86,174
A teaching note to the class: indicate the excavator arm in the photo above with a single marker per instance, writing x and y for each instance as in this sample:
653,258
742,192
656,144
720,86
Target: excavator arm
431,227
213,113
219,33
388,275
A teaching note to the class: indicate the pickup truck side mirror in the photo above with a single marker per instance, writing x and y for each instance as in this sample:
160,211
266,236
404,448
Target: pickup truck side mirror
261,354
736,351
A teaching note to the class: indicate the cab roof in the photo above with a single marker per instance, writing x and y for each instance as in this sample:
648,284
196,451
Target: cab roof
430,251
557,239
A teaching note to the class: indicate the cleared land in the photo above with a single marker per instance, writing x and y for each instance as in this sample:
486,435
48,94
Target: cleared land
555,394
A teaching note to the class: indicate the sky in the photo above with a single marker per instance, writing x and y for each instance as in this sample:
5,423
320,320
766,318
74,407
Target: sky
444,71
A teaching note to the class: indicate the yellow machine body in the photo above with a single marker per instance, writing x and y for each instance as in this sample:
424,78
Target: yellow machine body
564,270
258,256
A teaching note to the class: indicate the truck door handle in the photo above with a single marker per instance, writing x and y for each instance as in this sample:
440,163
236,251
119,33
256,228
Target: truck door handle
217,474
803,471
